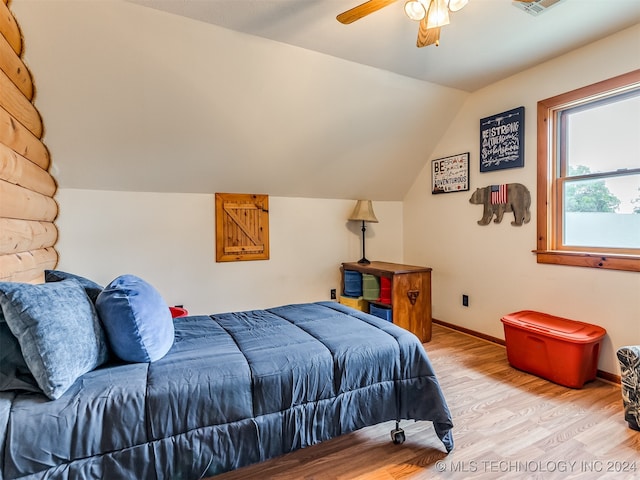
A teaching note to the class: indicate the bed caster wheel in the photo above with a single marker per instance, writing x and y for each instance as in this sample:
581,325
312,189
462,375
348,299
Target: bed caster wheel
397,436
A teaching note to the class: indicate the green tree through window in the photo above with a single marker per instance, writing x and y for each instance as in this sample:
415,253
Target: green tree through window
588,196
636,202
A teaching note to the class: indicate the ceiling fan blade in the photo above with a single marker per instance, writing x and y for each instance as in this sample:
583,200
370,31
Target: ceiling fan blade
356,13
427,36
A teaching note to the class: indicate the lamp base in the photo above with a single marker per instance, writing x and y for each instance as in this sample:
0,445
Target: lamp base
364,261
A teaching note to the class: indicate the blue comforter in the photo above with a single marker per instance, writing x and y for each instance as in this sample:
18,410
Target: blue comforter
235,389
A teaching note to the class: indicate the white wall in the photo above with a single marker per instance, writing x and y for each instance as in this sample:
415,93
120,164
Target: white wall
136,99
169,240
494,264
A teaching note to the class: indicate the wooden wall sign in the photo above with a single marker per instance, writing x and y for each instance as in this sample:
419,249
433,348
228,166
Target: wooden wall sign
498,199
242,227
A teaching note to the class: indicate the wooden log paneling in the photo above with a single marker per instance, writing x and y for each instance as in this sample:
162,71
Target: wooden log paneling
9,29
19,202
24,235
19,139
14,67
27,266
19,106
14,168
27,207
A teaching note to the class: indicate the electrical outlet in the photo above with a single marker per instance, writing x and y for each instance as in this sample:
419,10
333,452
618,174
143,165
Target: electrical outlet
465,300
333,294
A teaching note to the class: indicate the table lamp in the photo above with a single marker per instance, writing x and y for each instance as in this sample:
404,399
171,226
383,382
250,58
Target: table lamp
363,213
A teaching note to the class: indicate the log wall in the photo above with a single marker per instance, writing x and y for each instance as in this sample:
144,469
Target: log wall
27,208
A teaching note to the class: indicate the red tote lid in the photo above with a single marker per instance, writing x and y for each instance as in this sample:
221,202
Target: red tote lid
563,328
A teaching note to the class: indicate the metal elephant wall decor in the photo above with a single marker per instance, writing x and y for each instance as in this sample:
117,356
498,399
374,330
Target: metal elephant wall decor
498,199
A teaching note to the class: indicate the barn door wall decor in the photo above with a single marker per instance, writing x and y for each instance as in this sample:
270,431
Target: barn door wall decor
242,227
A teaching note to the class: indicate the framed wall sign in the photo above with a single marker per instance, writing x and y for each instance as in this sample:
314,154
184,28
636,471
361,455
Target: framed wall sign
502,140
450,174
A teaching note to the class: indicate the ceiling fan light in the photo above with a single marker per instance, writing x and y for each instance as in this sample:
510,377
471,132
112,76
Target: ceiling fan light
414,10
438,14
455,5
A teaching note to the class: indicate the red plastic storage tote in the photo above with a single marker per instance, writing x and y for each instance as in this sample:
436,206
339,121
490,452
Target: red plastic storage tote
558,349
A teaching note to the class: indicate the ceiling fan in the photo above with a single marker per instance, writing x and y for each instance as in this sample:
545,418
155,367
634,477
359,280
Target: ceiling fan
432,15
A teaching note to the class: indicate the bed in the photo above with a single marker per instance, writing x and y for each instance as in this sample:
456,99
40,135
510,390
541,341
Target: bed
233,389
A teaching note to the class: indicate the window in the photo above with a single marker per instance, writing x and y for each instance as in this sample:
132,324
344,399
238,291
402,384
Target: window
589,176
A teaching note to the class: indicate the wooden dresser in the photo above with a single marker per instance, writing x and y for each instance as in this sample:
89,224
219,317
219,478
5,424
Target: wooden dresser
410,294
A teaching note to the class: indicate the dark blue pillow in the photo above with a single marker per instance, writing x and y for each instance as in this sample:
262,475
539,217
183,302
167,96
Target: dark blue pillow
136,319
14,373
58,331
91,287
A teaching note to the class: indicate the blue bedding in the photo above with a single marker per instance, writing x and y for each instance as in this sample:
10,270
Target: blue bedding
235,389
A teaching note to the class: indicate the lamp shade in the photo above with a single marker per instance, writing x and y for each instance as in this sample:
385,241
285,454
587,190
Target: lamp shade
364,212
415,10
455,5
438,14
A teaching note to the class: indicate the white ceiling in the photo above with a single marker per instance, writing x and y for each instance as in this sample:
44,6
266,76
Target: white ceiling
486,41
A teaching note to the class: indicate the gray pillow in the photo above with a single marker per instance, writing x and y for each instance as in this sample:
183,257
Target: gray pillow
91,287
58,331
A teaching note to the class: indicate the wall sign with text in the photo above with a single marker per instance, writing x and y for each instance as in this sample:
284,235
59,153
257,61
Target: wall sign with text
502,140
450,174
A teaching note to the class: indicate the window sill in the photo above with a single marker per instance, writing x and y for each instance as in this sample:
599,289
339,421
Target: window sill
629,263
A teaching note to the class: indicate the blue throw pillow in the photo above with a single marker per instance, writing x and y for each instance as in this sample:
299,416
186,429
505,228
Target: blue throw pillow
91,287
58,331
136,318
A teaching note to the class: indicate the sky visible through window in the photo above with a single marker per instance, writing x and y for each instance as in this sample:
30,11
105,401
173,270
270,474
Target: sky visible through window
605,138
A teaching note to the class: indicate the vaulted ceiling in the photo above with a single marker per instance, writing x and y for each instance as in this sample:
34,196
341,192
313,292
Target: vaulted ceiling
268,96
486,41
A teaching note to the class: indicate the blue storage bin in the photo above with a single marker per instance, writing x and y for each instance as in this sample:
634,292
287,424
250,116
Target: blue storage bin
352,283
382,312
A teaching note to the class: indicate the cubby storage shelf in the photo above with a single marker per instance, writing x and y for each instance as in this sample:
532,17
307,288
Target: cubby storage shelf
410,293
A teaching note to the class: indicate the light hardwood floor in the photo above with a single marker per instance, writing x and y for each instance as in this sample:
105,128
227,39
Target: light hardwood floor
508,424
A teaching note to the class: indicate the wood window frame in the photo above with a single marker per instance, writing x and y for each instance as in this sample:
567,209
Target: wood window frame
549,205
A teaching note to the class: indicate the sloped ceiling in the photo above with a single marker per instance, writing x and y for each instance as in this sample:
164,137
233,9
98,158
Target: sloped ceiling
140,99
486,41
